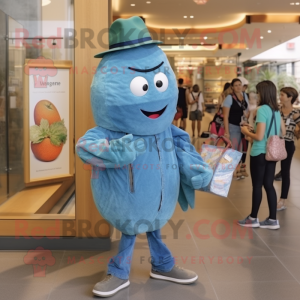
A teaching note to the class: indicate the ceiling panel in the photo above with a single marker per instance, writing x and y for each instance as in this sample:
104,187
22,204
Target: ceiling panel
216,13
170,13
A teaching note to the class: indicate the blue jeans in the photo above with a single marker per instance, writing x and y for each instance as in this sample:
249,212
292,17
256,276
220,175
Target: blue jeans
161,257
235,137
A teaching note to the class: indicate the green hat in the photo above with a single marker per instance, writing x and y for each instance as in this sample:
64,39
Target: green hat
127,33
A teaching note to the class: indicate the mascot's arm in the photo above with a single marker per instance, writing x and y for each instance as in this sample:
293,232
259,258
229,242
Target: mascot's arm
194,172
95,149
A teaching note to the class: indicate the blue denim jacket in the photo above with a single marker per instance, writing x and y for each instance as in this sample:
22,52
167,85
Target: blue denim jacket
137,191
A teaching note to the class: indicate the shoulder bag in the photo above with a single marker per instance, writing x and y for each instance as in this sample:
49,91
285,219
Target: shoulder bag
275,144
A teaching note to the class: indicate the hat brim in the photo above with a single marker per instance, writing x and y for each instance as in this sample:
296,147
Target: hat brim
101,54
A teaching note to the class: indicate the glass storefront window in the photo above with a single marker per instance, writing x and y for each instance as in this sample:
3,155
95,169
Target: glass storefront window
289,69
297,71
282,68
41,28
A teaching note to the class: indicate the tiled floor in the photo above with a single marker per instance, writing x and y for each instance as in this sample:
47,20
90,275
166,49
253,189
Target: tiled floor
231,264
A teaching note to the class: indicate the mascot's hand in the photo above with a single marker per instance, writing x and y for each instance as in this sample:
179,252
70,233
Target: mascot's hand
127,149
203,179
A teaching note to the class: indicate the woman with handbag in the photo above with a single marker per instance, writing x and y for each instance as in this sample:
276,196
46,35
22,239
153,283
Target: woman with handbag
291,118
197,108
235,112
267,127
217,124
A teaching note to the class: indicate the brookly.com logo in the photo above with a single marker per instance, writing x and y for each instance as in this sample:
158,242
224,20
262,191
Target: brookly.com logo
41,69
39,259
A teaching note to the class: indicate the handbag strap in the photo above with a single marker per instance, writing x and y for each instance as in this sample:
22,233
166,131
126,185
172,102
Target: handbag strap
195,100
226,140
240,103
273,119
198,101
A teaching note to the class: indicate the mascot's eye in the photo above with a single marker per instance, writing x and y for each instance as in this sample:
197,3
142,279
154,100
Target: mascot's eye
161,82
139,86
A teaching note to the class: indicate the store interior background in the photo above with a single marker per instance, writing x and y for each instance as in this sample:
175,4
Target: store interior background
198,57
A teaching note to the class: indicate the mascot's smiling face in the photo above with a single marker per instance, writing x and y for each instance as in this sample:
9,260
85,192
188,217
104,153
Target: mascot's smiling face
135,91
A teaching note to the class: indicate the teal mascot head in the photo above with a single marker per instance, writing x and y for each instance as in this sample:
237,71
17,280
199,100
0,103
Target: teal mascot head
134,89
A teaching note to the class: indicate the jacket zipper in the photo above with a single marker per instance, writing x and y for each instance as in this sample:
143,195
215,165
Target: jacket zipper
131,179
130,173
160,203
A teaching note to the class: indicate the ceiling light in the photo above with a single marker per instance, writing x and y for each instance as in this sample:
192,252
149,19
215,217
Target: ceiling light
148,2
261,37
169,38
247,48
269,31
185,17
46,2
297,3
191,17
181,37
205,37
200,1
292,3
190,48
132,4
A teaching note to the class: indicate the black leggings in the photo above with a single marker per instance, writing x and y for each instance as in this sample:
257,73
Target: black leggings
285,169
262,174
245,149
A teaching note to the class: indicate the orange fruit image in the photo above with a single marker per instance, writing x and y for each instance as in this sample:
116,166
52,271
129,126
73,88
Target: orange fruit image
45,151
44,109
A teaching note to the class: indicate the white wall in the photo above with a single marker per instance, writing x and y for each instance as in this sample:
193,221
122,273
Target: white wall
281,52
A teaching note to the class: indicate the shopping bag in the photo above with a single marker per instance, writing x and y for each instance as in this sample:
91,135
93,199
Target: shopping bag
223,161
215,140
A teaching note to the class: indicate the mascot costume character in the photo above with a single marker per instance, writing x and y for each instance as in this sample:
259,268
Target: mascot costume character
141,163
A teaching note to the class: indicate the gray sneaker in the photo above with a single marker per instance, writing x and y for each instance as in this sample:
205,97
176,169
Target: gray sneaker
109,286
267,223
177,275
249,223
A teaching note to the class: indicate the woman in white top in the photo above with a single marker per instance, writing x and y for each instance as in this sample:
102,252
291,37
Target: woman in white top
197,108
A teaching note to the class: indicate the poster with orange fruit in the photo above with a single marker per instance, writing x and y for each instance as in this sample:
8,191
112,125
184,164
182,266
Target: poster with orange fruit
48,123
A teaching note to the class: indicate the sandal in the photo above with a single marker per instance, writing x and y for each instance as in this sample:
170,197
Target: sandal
243,170
236,175
281,205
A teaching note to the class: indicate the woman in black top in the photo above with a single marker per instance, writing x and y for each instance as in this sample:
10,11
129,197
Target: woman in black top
235,112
